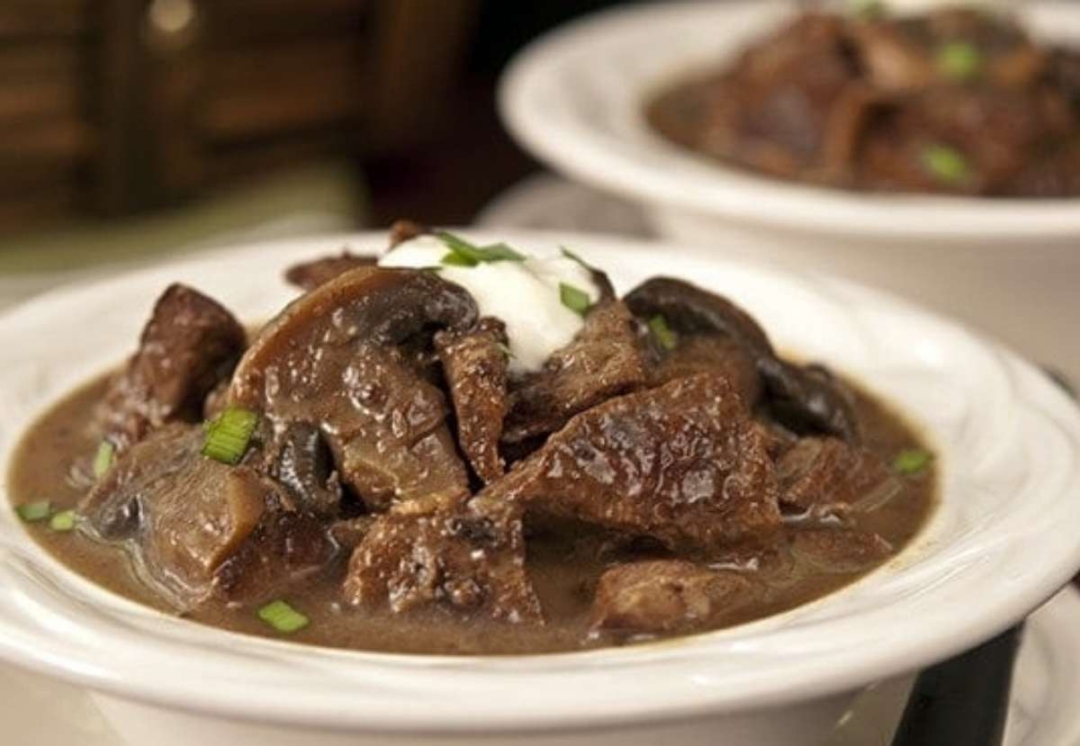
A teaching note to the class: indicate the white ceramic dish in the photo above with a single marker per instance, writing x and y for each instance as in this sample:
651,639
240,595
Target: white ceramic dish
42,711
1002,542
574,99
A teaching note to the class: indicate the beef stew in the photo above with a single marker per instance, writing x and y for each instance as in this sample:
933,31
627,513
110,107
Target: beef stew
957,101
376,471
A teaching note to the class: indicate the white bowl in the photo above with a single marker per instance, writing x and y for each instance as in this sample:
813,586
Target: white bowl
1002,541
575,100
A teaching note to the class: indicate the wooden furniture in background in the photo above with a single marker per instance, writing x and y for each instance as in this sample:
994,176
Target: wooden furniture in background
117,106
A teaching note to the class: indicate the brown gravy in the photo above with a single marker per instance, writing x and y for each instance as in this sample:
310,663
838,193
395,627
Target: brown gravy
563,565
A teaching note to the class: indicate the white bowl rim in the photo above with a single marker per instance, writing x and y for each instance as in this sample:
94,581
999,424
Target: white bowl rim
118,647
537,103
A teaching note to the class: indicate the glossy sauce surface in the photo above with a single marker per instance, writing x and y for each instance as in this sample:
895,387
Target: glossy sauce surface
564,564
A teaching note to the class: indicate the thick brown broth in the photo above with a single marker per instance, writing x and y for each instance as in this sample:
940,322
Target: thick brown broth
564,564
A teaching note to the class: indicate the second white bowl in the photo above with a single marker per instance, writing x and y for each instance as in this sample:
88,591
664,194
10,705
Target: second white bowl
575,100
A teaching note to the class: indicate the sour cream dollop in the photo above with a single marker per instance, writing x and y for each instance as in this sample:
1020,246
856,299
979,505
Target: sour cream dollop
525,295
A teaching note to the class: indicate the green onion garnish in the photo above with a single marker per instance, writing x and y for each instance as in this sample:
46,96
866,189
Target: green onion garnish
228,435
458,260
912,461
505,349
103,458
34,512
283,617
500,252
63,521
659,327
946,164
573,257
959,60
466,254
575,299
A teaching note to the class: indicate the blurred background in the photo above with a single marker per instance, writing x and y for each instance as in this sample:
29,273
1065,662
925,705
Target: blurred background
136,128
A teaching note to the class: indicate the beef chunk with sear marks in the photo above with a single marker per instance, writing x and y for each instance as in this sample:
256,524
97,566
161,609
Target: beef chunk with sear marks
474,364
190,344
683,463
464,562
604,360
828,476
310,275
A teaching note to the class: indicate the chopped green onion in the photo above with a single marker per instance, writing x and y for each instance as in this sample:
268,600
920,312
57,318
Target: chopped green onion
283,617
959,60
470,255
63,521
574,257
576,299
500,252
34,512
659,327
946,164
912,461
458,260
505,350
103,458
228,435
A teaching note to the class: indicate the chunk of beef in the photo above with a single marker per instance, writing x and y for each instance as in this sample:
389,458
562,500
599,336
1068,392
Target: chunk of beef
694,354
785,105
465,562
475,363
190,344
198,529
841,551
997,131
309,275
805,399
666,596
343,359
902,55
605,359
683,463
828,476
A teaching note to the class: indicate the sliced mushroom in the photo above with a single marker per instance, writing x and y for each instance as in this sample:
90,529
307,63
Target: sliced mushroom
803,398
198,529
345,359
297,456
